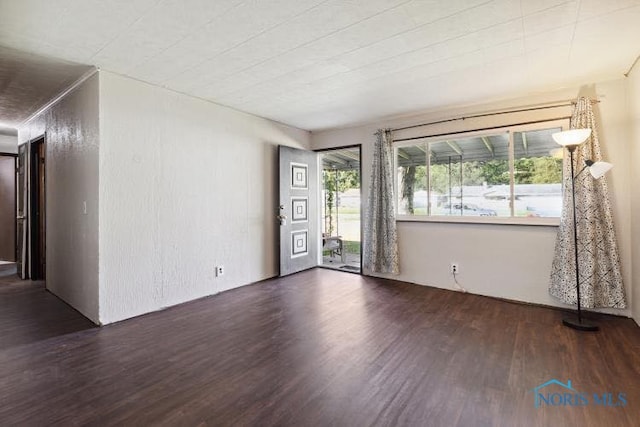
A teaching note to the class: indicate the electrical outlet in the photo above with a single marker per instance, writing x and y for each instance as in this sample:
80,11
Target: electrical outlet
454,268
220,270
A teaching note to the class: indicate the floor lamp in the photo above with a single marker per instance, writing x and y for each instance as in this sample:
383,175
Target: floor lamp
571,139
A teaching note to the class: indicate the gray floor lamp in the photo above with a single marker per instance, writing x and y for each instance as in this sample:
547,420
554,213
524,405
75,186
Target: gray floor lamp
571,139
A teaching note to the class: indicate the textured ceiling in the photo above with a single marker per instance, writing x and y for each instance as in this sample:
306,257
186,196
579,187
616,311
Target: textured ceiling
324,63
27,82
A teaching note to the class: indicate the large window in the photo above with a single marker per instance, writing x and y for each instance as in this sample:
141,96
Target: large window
515,172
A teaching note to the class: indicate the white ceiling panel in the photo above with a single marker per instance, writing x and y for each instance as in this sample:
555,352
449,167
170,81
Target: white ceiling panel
244,23
94,23
531,7
78,27
595,8
552,18
164,26
358,86
31,17
324,63
501,39
594,44
502,51
561,35
455,34
179,62
316,23
426,11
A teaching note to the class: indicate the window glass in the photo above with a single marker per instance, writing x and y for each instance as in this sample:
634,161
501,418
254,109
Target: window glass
412,180
472,176
537,174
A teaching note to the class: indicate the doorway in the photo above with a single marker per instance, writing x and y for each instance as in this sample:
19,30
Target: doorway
38,210
341,208
7,208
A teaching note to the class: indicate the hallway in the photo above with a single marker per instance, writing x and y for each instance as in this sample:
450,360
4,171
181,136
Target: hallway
30,315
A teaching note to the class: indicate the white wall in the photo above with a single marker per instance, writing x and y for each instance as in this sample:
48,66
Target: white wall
633,86
71,127
613,120
8,144
185,185
507,261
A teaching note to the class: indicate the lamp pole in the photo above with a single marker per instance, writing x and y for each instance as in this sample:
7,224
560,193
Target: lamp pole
580,325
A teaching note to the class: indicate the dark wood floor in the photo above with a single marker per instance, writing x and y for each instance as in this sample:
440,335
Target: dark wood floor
317,348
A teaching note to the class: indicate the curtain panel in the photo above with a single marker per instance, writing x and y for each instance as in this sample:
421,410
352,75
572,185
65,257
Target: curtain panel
598,258
381,239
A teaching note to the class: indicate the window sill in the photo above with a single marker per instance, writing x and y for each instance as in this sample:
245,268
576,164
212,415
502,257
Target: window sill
546,222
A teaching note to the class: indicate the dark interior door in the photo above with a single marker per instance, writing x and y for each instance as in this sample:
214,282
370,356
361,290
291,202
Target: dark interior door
298,210
7,207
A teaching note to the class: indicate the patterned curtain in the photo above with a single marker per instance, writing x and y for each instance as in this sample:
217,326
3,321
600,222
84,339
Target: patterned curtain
381,241
598,259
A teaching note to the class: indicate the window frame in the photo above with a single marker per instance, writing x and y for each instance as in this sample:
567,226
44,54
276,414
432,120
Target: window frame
510,220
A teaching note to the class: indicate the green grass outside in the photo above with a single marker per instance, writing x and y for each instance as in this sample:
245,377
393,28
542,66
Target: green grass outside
350,246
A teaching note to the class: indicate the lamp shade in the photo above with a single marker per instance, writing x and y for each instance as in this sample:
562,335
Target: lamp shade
598,169
571,137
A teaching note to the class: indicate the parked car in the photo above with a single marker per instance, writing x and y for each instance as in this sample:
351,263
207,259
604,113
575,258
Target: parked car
467,209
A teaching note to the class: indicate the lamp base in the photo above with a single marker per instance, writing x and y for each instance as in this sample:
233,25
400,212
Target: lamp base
580,326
